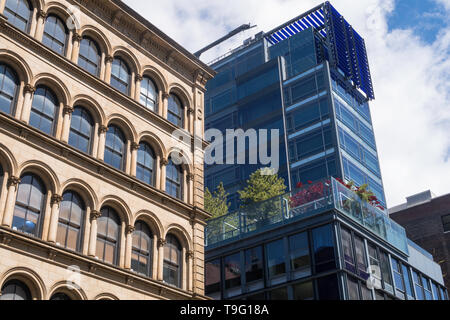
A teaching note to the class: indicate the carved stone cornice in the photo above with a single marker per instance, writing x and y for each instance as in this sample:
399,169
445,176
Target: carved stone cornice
95,215
129,229
102,129
161,242
29,88
68,110
56,199
13,181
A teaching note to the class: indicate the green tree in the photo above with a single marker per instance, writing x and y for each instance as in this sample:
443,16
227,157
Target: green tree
216,202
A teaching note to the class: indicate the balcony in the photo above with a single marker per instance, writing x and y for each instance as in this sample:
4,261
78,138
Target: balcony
303,203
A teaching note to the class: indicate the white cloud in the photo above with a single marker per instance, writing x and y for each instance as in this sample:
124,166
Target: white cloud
411,114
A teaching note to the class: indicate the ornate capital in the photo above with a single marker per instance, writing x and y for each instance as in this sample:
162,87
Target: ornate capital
56,199
42,14
130,229
190,176
189,255
164,162
135,146
161,242
166,95
139,77
102,129
13,181
190,111
77,37
109,59
95,215
29,88
68,110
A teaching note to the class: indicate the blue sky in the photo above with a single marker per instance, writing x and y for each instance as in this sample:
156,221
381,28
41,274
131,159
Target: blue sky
408,44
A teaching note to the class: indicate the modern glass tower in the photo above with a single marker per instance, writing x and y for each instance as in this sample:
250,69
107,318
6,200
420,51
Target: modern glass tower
310,79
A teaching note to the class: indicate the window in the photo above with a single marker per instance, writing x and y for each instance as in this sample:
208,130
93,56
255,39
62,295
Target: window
427,288
328,288
30,204
408,284
8,88
254,267
212,279
108,236
435,291
44,110
366,292
146,164
279,294
361,261
18,13
323,246
142,252
175,111
174,180
15,290
418,285
353,288
276,259
446,223
81,130
89,57
55,34
347,249
232,272
299,255
149,94
172,261
386,272
304,291
398,278
115,148
60,297
375,265
120,76
71,217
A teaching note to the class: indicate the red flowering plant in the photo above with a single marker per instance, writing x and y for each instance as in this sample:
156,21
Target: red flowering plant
363,193
307,194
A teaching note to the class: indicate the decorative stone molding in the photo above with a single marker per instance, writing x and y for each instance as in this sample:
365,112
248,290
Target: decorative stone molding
42,14
13,181
164,162
109,59
190,176
161,242
77,37
189,255
52,254
102,129
95,215
5,239
129,229
29,88
166,95
129,281
68,110
190,111
56,199
139,77
135,146
92,268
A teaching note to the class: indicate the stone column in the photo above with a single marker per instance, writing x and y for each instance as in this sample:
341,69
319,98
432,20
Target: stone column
12,185
190,119
189,259
160,105
59,121
163,164
53,229
87,230
67,116
190,188
184,269
127,167
41,17
108,64
128,247
101,142
19,104
69,45
95,138
29,91
2,6
34,21
134,154
161,244
93,233
3,193
158,172
102,66
185,189
165,104
132,92
155,254
185,118
76,39
137,94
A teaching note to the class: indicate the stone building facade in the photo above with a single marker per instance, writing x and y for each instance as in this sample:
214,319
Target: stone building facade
94,203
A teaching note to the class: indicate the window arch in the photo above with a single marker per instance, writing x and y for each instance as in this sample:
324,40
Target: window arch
120,76
15,290
44,110
55,34
71,216
142,252
115,148
30,202
89,57
60,297
8,88
81,130
145,169
149,94
108,236
172,261
175,110
174,181
18,13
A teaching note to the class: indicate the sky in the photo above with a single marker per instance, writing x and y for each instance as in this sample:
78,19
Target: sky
408,43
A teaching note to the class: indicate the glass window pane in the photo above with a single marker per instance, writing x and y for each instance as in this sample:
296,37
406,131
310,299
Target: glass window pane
212,277
299,254
304,291
276,260
232,266
353,289
254,264
323,246
328,288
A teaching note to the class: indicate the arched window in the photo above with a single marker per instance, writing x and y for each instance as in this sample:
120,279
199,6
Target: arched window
89,57
71,216
55,34
15,290
175,111
8,88
60,297
18,13
44,110
30,203
174,180
149,94
145,169
172,261
120,76
81,130
115,148
141,257
108,236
